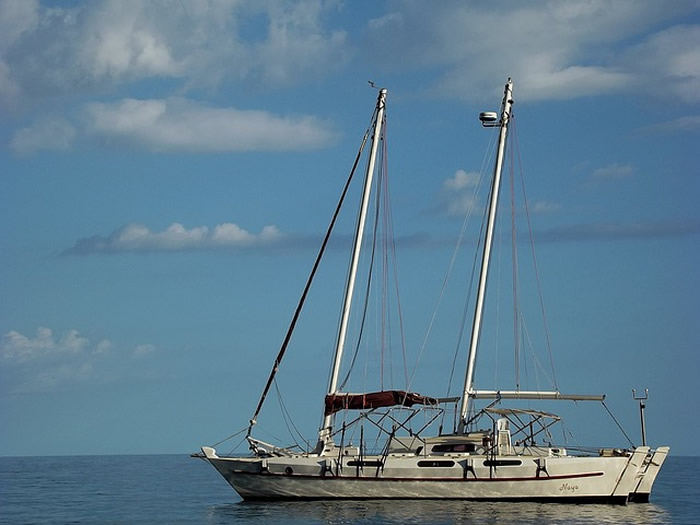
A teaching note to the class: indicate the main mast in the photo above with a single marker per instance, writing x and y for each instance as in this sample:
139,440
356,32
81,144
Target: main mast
486,257
324,432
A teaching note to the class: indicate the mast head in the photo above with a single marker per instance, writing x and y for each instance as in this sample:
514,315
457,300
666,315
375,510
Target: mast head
490,119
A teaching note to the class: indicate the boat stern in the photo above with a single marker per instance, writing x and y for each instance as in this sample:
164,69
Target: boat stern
647,473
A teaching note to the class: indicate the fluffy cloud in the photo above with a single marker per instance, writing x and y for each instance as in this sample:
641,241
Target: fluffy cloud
459,196
139,238
671,60
178,124
48,51
677,125
46,361
43,362
143,350
461,180
459,193
20,348
564,49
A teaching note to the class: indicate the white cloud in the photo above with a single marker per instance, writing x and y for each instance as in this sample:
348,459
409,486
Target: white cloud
679,125
43,362
459,196
671,58
461,180
16,18
136,237
126,42
461,204
176,237
178,124
72,342
564,49
46,361
232,234
143,350
104,347
614,171
17,347
459,193
49,51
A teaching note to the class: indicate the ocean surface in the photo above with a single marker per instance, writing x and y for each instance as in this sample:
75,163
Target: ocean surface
179,489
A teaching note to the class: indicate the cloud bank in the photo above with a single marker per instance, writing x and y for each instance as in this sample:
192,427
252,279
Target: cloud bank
60,60
176,125
135,238
47,362
555,50
613,231
183,125
52,50
57,60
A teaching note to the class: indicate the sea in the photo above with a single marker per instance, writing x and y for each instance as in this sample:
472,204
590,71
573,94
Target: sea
179,489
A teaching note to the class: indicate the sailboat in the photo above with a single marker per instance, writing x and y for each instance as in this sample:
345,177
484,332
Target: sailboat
504,459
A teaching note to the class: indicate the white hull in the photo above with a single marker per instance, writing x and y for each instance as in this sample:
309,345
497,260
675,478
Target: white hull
616,479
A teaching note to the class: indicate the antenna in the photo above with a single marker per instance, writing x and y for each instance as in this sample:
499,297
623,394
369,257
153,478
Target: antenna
642,406
489,119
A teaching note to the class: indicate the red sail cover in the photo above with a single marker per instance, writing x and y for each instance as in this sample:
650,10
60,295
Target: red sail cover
387,398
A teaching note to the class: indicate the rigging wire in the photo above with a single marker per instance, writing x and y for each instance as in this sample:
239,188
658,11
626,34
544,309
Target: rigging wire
391,250
514,255
382,237
465,313
534,259
385,346
229,437
302,300
363,317
237,445
617,423
448,274
499,281
390,267
288,420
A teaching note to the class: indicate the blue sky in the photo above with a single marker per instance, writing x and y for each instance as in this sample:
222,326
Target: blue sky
168,169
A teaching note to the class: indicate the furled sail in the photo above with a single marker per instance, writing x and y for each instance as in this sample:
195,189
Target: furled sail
386,398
